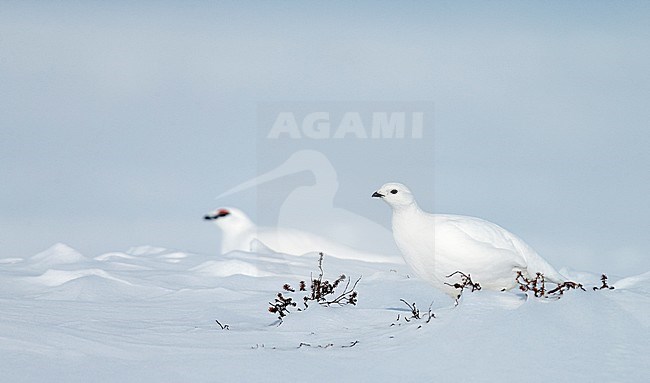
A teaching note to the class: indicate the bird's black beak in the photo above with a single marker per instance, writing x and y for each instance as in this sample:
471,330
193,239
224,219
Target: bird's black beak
221,213
377,195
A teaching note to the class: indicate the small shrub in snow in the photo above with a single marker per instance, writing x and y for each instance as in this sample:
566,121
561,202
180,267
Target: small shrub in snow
281,305
321,291
539,289
565,286
537,285
603,279
465,282
415,314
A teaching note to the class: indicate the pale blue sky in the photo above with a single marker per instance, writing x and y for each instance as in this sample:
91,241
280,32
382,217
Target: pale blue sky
119,123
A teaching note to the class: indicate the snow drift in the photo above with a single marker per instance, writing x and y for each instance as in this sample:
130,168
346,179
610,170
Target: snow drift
149,314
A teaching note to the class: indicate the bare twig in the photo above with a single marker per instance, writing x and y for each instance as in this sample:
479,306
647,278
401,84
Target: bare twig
327,345
430,314
564,286
415,312
465,282
223,326
348,296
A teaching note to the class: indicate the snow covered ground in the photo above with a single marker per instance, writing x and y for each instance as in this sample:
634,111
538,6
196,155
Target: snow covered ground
148,315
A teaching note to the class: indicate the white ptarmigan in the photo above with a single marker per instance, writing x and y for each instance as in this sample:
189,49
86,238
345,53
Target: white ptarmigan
437,245
240,233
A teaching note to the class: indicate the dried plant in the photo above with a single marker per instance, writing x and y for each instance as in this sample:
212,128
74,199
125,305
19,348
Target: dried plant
281,306
603,279
303,344
327,345
465,282
415,314
565,286
261,345
223,326
321,291
539,289
537,285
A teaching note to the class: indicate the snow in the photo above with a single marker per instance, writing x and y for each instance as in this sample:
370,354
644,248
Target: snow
60,277
134,316
228,268
58,254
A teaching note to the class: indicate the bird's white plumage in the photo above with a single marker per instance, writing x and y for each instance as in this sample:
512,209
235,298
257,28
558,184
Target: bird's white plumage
240,233
334,223
437,245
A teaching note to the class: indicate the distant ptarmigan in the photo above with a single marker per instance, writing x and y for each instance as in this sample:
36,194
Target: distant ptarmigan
437,245
240,233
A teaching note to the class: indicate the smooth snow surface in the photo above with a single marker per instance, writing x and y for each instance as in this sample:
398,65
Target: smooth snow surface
134,316
437,245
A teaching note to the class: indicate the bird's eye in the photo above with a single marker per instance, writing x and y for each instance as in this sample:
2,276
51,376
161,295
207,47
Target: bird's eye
394,191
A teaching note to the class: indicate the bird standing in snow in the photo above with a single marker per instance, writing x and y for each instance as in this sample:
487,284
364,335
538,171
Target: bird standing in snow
240,233
435,246
335,223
